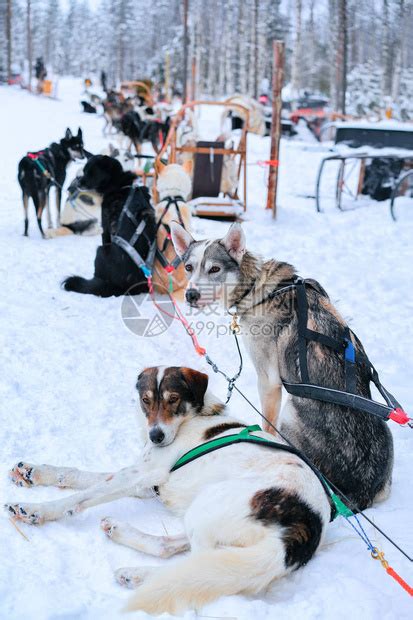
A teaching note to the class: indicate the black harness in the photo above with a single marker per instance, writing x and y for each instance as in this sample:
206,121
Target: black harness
342,345
128,245
160,253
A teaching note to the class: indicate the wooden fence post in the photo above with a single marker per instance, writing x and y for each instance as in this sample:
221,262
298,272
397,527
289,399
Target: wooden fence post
193,79
277,82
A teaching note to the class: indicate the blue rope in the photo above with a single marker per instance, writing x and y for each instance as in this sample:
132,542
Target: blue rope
363,535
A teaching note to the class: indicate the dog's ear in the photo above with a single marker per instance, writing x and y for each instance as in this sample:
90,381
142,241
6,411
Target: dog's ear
180,238
197,382
80,133
68,134
234,242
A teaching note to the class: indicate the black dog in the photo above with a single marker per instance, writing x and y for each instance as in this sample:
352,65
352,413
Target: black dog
140,131
115,270
39,171
88,107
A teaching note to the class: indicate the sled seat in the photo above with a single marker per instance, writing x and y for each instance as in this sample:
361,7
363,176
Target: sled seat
214,208
206,184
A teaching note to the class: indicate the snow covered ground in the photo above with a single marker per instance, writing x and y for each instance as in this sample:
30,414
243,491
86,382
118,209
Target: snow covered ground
69,369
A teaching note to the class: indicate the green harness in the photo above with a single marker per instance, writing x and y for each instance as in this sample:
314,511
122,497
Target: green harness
244,436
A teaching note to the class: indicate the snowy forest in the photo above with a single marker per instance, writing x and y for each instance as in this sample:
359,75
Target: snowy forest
333,47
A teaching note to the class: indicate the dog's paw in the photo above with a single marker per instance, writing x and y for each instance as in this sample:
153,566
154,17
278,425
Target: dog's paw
130,577
23,474
109,526
23,512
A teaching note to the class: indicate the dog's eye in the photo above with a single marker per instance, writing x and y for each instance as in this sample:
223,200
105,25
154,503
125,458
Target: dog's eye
214,269
146,400
173,399
188,268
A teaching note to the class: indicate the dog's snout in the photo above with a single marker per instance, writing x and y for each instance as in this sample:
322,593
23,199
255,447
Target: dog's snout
156,435
192,295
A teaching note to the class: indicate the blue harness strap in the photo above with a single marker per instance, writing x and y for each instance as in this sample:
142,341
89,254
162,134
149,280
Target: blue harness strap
128,246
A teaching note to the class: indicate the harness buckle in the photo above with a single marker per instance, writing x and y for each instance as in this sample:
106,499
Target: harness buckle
235,326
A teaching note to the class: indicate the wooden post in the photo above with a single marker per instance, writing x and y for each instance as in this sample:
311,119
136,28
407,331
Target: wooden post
185,63
193,79
29,44
8,35
277,82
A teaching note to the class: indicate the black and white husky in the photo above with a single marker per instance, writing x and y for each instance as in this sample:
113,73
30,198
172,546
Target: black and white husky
251,514
37,172
352,448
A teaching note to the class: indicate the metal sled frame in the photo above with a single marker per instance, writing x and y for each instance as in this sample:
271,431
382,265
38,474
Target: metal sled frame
344,173
404,182
206,207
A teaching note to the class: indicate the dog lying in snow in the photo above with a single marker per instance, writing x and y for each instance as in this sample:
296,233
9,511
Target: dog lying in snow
251,514
82,213
352,448
115,272
173,187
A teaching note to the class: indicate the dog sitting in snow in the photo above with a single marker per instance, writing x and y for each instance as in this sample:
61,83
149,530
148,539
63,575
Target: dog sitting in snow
251,514
173,187
353,449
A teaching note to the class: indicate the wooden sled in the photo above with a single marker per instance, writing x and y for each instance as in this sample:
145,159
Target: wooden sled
207,199
141,88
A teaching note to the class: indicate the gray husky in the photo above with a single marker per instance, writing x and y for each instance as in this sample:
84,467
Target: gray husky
352,448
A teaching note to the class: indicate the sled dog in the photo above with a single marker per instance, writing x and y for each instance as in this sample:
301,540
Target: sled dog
352,448
251,514
38,171
116,271
173,187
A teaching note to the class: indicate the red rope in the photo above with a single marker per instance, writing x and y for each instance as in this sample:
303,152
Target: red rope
376,554
178,316
390,571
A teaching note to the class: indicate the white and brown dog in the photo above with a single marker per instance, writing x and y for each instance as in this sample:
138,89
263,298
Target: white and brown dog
251,515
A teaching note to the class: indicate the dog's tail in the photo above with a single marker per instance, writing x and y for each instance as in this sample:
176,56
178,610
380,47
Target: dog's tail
94,286
204,576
